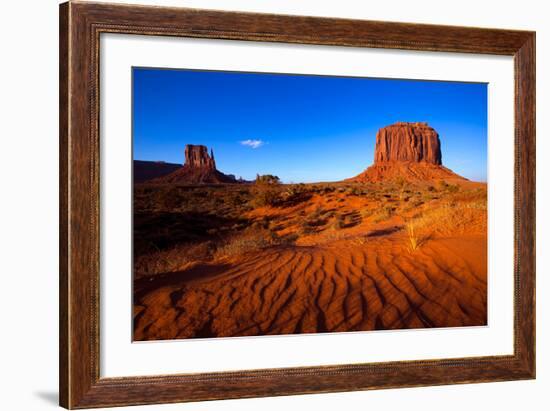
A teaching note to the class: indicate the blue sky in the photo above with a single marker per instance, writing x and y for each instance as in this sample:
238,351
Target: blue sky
300,128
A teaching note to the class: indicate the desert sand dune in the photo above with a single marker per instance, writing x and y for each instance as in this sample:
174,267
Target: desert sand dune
341,286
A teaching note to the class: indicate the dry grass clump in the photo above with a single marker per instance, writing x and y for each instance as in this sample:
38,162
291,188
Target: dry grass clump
186,256
174,259
451,218
315,219
367,212
458,218
265,195
477,196
384,214
249,241
242,245
450,188
266,191
294,194
416,233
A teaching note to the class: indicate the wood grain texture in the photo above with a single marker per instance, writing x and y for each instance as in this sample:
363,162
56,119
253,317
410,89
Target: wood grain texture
525,203
80,27
63,204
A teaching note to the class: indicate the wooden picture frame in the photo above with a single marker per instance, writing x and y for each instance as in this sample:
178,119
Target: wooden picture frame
80,27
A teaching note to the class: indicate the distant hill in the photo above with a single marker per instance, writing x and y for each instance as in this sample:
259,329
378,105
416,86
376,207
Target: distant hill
148,170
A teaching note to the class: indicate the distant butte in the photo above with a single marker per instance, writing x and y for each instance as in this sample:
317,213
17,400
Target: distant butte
199,168
196,157
411,151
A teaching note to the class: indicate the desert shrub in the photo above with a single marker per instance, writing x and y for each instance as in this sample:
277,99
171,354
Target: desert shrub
237,200
265,192
416,234
367,212
250,240
265,195
450,188
402,187
383,214
400,181
453,188
338,222
349,220
294,194
313,220
328,189
412,236
354,191
267,179
306,229
289,238
174,259
240,246
170,198
292,191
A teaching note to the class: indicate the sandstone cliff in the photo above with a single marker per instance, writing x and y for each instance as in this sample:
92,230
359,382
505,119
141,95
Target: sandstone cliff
197,157
415,142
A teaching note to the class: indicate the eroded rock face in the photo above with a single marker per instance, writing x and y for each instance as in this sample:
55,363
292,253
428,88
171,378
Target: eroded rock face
196,156
411,151
407,142
199,168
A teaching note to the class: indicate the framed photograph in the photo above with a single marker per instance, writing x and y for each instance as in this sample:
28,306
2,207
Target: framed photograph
258,205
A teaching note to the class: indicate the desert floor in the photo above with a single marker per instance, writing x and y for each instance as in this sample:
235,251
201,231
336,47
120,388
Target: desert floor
241,260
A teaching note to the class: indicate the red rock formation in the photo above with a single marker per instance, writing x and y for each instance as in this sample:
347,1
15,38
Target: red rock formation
199,168
407,150
415,142
197,157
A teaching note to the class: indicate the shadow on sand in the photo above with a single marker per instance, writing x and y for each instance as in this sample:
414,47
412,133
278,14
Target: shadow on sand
145,285
384,231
